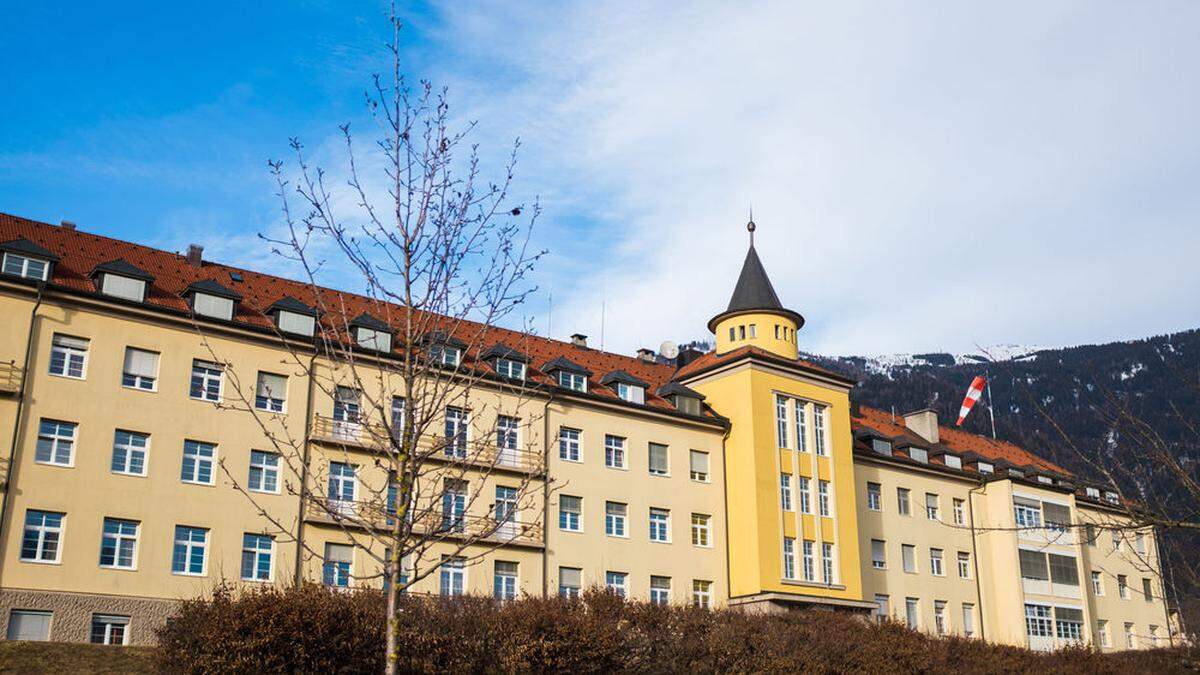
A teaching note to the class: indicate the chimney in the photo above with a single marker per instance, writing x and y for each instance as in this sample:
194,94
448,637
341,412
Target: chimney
923,423
195,255
855,408
646,355
686,356
67,225
579,340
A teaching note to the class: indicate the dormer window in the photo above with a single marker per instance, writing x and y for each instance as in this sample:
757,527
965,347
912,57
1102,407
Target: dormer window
371,333
294,317
119,279
881,447
513,370
952,461
211,299
572,381
1112,497
918,454
631,392
1092,492
986,468
507,362
685,400
626,386
567,373
25,259
1016,473
1045,479
444,349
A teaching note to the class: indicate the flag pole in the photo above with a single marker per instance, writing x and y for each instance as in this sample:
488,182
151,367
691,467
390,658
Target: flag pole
991,402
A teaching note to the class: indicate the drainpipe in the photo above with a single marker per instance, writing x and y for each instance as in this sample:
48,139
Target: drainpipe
308,416
546,495
725,498
12,448
975,556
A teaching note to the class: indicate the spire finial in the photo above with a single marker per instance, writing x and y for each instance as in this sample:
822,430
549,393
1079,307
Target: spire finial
750,225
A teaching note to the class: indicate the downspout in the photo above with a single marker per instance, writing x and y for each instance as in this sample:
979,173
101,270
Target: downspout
308,417
975,557
12,448
546,495
725,498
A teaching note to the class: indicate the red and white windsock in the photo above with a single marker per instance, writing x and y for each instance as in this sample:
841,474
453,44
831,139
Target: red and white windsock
973,394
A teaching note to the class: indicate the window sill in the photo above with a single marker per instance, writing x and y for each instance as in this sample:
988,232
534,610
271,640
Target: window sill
139,389
257,492
128,474
189,574
118,569
42,562
193,482
68,377
56,464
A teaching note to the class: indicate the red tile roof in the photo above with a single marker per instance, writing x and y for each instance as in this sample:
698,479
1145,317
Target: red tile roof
81,252
952,439
712,360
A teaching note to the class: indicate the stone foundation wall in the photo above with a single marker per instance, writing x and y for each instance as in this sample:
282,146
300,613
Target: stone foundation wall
72,621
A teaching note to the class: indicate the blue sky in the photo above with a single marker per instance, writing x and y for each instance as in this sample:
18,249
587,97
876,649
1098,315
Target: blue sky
925,176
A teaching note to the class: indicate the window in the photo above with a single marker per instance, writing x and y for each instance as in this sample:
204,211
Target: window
206,381
960,512
1037,621
342,486
689,405
939,617
874,497
698,462
805,495
1139,543
380,340
952,461
68,356
270,394
453,576
614,519
828,574
881,447
570,510
819,429
296,323
140,370
1033,565
931,507
1102,633
781,426
1116,540
918,454
935,562
1057,516
508,439
1147,591
883,607
129,453
398,405
346,413
1092,492
257,552
741,332
616,583
335,571
55,443
964,565
456,432
264,471
908,556
986,468
1153,635
212,305
614,452
1130,638
1063,571
118,544
701,533
968,619
1097,583
660,525
29,625
1027,513
569,445
570,581
789,558
42,538
454,505
1068,623
28,268
823,497
513,370
785,491
198,462
442,354
701,593
188,556
878,554
109,630
631,392
912,612
902,501
660,590
504,579
505,511
753,330
572,381
658,460
801,426
808,564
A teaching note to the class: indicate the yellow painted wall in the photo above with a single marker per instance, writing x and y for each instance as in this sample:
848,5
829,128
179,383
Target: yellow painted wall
764,333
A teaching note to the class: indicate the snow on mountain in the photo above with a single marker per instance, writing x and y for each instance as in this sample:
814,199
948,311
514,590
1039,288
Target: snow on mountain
885,364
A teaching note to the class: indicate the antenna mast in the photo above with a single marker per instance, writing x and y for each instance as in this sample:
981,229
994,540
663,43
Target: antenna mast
991,402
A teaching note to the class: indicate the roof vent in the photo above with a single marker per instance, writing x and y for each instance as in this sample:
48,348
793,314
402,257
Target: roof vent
923,423
579,340
646,355
195,255
68,225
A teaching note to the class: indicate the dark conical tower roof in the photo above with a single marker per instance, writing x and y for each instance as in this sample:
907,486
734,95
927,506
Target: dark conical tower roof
754,289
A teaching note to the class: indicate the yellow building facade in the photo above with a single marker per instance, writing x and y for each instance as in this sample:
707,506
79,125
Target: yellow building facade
742,477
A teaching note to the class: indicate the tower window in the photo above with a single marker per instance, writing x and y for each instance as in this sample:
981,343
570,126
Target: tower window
776,331
741,332
753,330
732,334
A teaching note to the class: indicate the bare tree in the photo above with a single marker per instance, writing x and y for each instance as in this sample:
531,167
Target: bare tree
422,378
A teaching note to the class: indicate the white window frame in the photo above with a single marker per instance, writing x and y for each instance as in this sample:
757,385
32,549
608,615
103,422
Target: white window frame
632,393
189,548
56,440
617,583
41,531
660,594
804,488
614,446
702,530
266,398
257,552
130,449
666,457
820,440
701,593
879,562
565,522
264,465
109,621
570,444
659,520
203,374
824,498
572,380
698,476
789,558
829,570
616,519
198,460
506,580
510,369
785,492
139,381
67,347
808,560
937,566
119,538
874,496
24,263
963,558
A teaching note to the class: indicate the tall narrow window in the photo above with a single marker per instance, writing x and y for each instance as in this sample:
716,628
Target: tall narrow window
658,460
902,501
68,356
805,494
789,558
660,525
701,593
874,497
198,458
504,580
347,413
878,554
140,370
505,511
55,443
701,532
257,552
785,491
939,617
118,544
823,498
129,453
454,505
908,556
968,619
959,512
808,560
699,465
932,511
270,393
935,562
614,519
41,540
456,432
781,426
828,573
206,381
191,546
801,411
819,430
569,445
964,565
453,576
508,439
343,486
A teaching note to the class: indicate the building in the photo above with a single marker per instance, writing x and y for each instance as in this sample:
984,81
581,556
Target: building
742,477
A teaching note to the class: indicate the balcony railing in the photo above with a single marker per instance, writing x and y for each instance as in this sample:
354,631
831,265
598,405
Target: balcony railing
10,377
436,523
375,437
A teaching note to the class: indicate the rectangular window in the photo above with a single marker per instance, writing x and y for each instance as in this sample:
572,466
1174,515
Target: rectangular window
42,538
1037,621
902,506
878,554
572,381
29,625
823,497
570,581
874,497
939,617
569,444
1147,591
1139,543
960,512
952,461
908,556
660,590
1130,638
614,452
932,511
701,532
935,562
1033,565
55,443
701,594
781,425
805,495
342,487
1068,624
456,432
570,513
789,558
441,354
68,356
968,619
504,579
883,607
398,404
504,511
198,458
1102,634
1097,583
785,491
807,560
296,323
109,630
508,439
140,370
118,544
986,468
264,471
660,525
335,570
616,583
699,465
658,460
125,288
513,370
964,565
912,612
191,545
270,393
129,453
819,430
918,454
828,574
212,305
801,412
881,447
1063,570
257,552
452,577
614,519
454,505
1027,513
1057,516
631,392
206,381
28,268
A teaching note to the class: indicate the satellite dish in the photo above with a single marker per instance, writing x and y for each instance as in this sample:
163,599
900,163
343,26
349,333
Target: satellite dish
668,349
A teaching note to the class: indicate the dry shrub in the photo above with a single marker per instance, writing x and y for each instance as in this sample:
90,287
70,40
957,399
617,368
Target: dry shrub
313,629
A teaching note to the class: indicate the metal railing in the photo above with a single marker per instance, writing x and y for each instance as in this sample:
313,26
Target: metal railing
10,377
435,523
